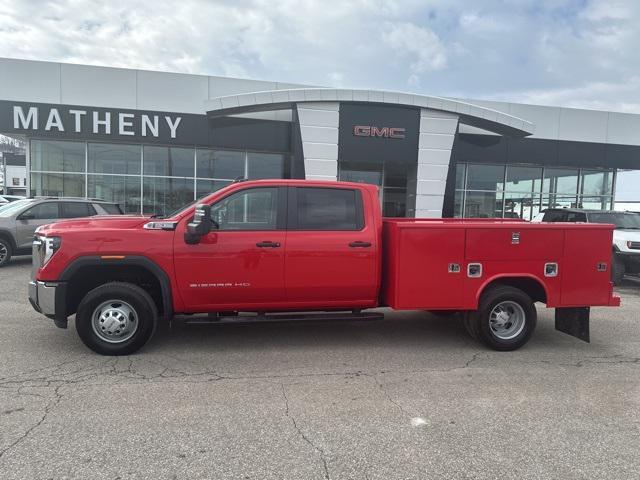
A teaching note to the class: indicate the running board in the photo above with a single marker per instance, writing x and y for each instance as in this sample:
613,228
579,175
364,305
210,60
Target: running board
283,318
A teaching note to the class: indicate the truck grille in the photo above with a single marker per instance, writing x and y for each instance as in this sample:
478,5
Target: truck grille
634,245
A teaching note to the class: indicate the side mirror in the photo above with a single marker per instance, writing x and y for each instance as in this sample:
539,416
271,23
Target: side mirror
200,225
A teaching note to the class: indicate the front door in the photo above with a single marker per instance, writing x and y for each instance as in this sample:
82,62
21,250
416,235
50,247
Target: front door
32,218
332,258
240,264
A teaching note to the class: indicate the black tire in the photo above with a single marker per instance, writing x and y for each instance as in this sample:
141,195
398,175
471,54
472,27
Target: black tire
470,324
145,317
617,270
6,251
482,318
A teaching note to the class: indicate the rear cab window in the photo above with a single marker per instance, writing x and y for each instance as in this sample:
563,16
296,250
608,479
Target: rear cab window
318,208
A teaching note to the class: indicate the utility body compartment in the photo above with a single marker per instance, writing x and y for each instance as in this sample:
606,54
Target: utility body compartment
441,264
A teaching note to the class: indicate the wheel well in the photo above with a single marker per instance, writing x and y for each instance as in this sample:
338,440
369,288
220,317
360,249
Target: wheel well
8,237
530,286
88,277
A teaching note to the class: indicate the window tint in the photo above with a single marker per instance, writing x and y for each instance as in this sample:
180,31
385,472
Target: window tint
329,209
44,211
111,208
252,209
77,209
576,217
554,217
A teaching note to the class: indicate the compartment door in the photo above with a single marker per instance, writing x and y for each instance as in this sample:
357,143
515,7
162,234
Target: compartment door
425,279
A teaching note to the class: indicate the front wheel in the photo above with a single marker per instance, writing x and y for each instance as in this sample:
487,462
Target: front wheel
5,252
505,319
116,318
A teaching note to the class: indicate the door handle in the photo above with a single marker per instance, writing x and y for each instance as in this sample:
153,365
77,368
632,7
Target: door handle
268,244
360,244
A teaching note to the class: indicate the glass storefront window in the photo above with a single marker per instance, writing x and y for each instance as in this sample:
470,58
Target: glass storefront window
168,161
460,171
114,158
523,179
485,177
265,165
597,182
162,195
558,201
457,204
220,164
56,156
57,185
123,190
483,205
596,203
521,205
559,180
205,187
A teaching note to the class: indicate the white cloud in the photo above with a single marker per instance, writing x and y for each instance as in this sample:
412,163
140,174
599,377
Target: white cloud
568,52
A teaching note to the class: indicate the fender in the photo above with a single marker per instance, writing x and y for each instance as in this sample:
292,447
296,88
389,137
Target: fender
129,260
507,276
4,233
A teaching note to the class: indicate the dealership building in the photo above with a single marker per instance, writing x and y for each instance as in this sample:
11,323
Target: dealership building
155,141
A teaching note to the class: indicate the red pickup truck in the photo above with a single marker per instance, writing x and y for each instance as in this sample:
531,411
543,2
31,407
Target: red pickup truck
264,249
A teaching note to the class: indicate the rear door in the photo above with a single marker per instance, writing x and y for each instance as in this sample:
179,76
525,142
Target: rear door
32,218
331,256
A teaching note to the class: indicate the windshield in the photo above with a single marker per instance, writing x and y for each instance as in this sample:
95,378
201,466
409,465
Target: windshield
620,220
12,208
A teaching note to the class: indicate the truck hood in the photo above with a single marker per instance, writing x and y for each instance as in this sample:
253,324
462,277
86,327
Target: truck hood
98,222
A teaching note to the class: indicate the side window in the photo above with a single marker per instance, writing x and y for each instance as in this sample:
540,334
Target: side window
111,208
77,209
252,209
328,209
44,211
554,217
576,217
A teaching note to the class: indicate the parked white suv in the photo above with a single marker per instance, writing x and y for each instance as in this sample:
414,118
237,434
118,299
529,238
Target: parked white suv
626,236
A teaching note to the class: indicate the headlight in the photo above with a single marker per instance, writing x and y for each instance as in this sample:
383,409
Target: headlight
50,245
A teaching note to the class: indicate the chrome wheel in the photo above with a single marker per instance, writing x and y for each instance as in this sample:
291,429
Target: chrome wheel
507,320
3,252
114,321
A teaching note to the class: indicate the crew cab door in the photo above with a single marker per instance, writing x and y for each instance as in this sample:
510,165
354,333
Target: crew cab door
332,250
239,265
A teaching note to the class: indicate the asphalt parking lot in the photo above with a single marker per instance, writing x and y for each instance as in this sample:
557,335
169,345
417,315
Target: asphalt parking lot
410,397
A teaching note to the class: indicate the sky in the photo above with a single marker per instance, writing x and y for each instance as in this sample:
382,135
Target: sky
575,53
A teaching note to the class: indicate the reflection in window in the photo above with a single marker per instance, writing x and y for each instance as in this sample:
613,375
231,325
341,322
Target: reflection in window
523,179
460,171
596,203
43,211
559,201
220,164
168,161
120,189
596,182
265,165
485,177
161,196
57,185
483,205
327,209
56,156
253,209
521,205
561,181
114,158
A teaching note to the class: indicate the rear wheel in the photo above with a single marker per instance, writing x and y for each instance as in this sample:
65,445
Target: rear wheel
617,270
505,319
116,318
5,252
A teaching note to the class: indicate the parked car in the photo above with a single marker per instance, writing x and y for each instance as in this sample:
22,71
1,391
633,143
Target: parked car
277,246
19,219
626,236
10,198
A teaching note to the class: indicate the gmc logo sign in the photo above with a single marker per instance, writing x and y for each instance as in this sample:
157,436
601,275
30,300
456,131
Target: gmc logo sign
382,132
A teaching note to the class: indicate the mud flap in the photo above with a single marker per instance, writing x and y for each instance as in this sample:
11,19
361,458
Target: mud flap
574,322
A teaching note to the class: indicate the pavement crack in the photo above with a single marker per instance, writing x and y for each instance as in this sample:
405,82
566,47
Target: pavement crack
47,409
302,435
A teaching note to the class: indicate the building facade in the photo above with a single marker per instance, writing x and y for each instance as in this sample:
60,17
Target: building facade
154,142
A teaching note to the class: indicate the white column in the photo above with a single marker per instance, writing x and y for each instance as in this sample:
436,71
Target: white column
437,131
319,123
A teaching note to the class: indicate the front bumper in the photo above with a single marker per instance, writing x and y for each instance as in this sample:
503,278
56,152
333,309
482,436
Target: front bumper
48,298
